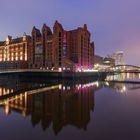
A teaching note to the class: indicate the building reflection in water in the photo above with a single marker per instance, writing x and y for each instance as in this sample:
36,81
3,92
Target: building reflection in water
124,77
59,106
122,87
132,82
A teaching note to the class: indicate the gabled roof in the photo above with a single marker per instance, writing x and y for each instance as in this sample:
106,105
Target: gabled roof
49,32
37,31
58,24
16,40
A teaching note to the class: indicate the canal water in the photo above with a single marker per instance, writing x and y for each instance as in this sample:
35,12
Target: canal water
127,77
68,110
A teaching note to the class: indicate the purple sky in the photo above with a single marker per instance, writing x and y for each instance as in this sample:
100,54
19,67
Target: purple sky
114,24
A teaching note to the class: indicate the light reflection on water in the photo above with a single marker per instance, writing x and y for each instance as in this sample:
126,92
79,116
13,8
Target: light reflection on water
69,110
135,77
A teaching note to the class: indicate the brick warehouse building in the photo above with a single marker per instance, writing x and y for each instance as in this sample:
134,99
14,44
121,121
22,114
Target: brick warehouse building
14,53
57,50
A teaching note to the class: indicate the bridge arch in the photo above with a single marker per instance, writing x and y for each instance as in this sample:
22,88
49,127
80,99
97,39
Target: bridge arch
125,68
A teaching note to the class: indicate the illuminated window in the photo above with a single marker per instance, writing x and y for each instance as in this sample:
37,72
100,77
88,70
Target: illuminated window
0,57
21,58
4,91
16,58
8,91
0,91
25,57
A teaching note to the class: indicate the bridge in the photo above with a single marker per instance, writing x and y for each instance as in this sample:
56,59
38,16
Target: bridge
125,68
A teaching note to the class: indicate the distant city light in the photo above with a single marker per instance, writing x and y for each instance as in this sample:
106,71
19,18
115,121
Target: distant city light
86,70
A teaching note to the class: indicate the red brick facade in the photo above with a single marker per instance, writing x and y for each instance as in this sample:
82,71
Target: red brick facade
57,50
14,53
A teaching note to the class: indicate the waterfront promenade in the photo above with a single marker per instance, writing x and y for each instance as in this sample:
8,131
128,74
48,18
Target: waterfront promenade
55,74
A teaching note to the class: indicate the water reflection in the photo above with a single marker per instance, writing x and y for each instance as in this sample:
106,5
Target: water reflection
134,77
122,87
57,105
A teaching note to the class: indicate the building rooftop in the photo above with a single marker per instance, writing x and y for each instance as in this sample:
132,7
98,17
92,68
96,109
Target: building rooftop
14,41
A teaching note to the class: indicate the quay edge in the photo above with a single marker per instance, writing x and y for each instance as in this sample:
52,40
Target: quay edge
58,75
